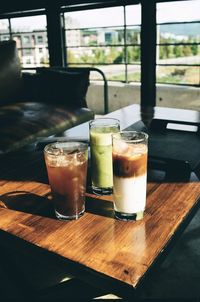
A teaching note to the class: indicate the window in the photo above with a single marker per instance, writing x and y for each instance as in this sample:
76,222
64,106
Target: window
26,40
40,39
111,42
24,30
27,51
178,42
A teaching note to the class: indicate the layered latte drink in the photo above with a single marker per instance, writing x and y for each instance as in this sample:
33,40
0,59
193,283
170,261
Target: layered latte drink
129,174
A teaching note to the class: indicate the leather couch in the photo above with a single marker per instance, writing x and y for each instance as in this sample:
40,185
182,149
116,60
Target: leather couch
39,104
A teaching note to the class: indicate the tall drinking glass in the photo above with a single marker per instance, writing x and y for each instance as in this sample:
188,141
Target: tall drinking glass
66,164
101,130
129,174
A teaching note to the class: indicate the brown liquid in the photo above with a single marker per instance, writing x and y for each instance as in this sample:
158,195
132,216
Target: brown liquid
129,165
68,188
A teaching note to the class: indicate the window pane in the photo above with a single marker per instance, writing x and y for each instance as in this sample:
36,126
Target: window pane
26,24
31,38
178,74
95,55
133,35
180,11
93,18
4,30
179,42
134,73
133,14
179,33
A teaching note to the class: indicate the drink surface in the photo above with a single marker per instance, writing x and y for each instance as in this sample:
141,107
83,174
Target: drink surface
129,177
101,156
67,178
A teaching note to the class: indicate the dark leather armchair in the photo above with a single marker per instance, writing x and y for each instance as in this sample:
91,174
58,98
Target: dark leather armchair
38,104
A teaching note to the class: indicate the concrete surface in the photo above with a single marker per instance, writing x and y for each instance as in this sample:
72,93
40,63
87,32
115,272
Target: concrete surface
121,95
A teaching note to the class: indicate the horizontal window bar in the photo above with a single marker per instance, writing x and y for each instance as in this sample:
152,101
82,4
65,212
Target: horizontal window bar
23,14
103,64
87,6
194,65
31,48
178,22
184,43
102,45
102,27
28,32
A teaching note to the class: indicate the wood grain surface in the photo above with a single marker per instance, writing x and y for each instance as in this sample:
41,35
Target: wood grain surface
117,249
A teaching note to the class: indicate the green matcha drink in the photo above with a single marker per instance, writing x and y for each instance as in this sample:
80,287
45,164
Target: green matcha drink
101,154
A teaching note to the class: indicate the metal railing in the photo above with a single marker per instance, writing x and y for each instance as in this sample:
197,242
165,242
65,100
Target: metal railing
105,87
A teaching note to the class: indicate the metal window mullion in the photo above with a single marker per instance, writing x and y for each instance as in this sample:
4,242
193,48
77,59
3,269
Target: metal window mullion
63,33
125,48
10,28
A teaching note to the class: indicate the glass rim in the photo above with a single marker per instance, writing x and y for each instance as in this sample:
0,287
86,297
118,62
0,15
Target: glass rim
66,146
106,119
117,136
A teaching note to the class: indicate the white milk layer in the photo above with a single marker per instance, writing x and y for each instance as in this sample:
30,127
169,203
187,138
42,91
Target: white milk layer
129,193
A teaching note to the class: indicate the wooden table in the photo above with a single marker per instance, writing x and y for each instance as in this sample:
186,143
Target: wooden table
111,254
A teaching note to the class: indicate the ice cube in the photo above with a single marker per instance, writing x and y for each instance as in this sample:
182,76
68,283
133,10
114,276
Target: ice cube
120,147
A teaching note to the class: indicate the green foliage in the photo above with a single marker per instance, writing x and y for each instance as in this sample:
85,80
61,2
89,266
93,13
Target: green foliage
98,55
70,57
133,54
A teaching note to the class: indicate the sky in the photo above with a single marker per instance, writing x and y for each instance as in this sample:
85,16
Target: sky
166,12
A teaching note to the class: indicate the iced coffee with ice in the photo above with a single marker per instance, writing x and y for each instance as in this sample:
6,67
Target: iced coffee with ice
129,174
66,165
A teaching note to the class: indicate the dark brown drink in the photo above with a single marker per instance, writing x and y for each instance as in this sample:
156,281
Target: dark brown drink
67,173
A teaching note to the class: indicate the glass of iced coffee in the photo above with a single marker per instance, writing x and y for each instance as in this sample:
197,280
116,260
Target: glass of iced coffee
101,130
129,174
66,164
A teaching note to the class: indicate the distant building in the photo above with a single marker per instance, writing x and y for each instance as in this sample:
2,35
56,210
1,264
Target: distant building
32,46
107,36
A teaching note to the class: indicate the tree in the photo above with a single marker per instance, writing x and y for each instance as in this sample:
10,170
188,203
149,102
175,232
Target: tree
178,51
187,50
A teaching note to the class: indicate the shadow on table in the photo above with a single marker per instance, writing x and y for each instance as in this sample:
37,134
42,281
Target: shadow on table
31,203
99,207
27,202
